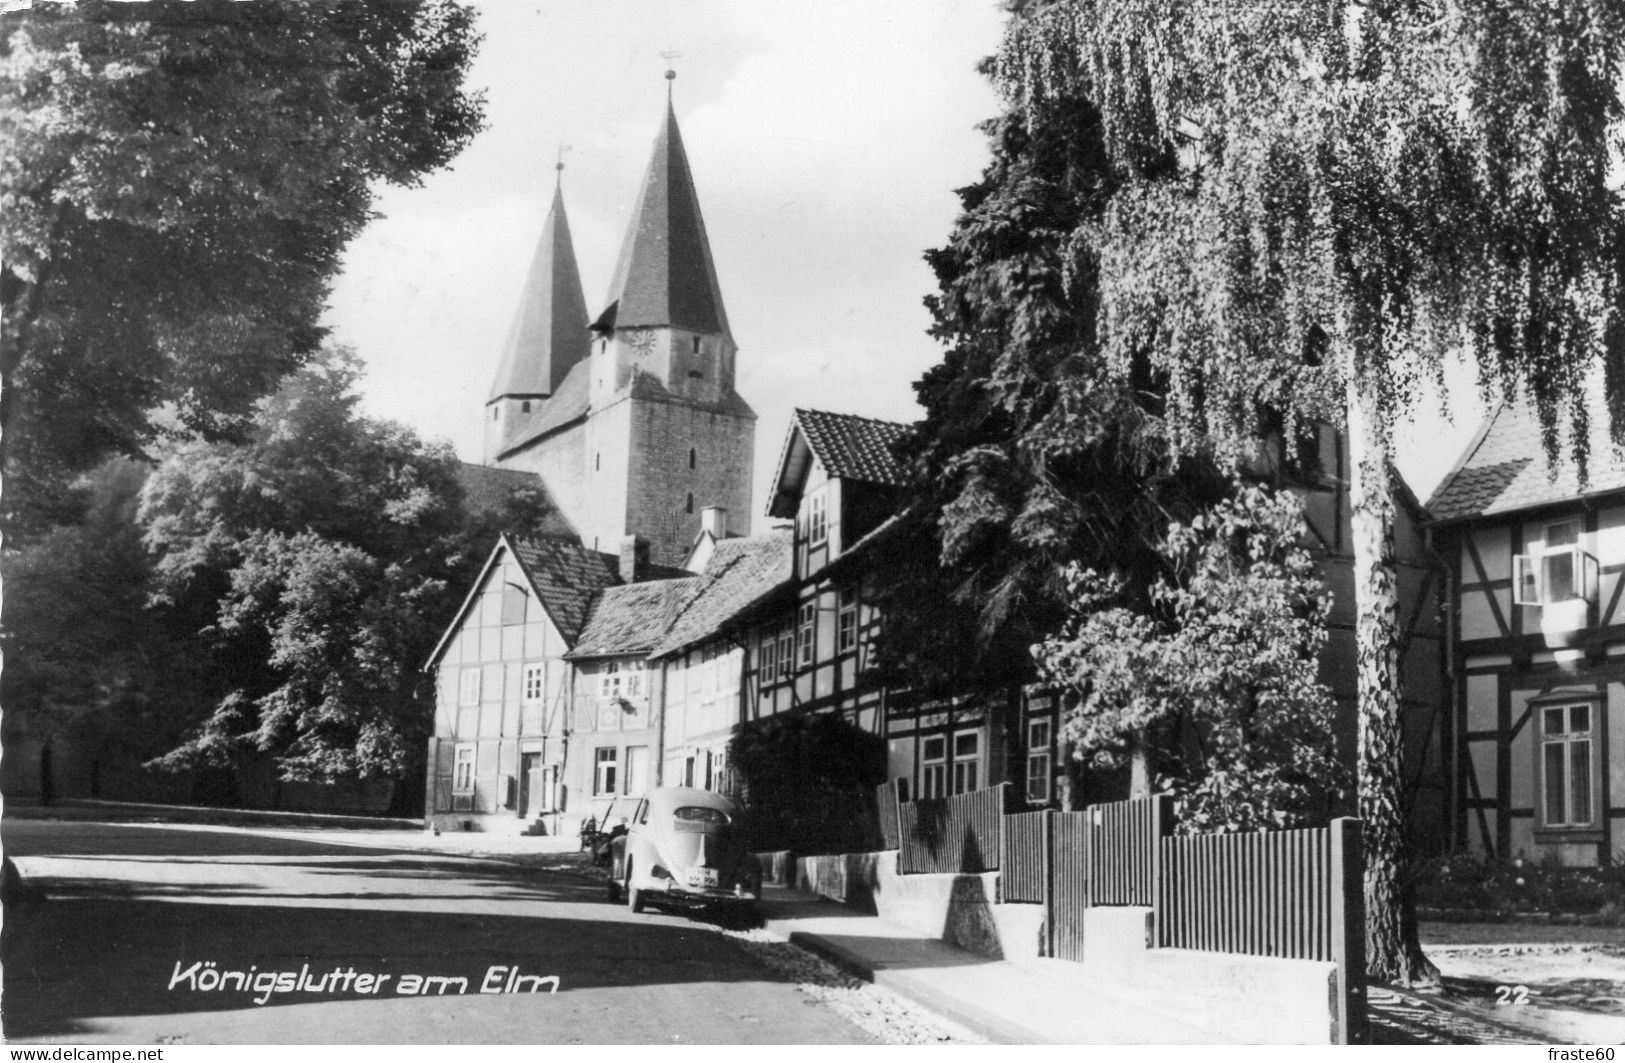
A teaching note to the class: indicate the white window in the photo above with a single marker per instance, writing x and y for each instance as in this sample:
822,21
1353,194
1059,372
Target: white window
609,680
767,666
1567,768
1038,760
1558,571
817,519
846,620
604,764
804,634
632,686
462,772
967,761
468,690
934,767
535,682
787,651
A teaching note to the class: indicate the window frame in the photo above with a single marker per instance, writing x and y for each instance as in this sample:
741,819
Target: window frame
465,756
609,680
533,683
933,768
787,651
602,787
972,761
817,518
806,633
846,619
1594,738
1533,572
767,657
1040,750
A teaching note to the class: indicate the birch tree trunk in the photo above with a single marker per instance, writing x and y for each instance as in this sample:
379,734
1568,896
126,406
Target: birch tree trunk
1393,950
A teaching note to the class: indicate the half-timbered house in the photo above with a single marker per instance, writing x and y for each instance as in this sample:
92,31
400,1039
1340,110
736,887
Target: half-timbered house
502,685
1537,645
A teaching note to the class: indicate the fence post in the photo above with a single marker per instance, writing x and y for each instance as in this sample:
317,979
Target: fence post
1162,825
1046,837
1348,930
897,810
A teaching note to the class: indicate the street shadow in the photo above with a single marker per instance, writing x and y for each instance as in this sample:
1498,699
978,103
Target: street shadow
67,961
113,840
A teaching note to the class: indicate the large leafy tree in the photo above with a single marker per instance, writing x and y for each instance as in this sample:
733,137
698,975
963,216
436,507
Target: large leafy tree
1033,454
317,563
84,658
177,181
1218,672
1361,190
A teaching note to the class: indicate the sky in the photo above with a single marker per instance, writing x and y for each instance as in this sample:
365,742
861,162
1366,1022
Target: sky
826,138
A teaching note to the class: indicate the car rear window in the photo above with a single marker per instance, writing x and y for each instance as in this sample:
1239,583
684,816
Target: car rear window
700,814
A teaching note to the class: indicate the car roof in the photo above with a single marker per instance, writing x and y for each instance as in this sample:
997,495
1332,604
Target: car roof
664,798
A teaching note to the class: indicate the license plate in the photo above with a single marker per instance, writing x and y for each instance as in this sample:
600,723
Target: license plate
703,877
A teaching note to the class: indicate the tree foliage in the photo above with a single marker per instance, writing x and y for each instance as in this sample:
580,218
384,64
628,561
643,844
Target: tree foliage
808,782
177,182
1032,454
318,562
1219,673
83,656
1316,204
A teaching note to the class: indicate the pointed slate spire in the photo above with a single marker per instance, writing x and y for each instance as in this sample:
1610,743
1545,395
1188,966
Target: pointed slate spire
665,277
549,333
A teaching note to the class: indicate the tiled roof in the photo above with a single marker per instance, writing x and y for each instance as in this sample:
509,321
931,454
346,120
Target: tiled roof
486,488
664,275
855,448
566,575
1505,469
549,333
632,617
740,574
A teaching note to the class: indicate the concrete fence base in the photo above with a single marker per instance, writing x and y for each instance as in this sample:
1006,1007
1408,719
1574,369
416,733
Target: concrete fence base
1256,999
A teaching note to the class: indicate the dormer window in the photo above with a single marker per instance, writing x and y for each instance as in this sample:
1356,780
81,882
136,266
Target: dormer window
1559,571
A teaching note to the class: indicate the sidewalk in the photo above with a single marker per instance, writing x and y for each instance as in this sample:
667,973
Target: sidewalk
1036,1001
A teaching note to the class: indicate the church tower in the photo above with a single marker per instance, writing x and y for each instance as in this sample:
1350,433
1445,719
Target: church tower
647,432
549,336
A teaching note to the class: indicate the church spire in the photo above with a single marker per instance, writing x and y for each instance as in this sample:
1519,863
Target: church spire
664,277
549,334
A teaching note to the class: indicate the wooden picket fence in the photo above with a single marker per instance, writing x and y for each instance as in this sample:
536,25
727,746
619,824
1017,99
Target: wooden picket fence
951,835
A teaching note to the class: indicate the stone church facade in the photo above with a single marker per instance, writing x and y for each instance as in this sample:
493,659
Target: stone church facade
631,419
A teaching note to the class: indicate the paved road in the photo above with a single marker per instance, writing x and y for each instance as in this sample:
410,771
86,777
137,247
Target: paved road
144,927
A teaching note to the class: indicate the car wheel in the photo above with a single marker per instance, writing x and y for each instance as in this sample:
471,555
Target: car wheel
612,890
634,896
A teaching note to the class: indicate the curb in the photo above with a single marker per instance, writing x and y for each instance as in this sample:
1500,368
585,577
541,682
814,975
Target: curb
986,1024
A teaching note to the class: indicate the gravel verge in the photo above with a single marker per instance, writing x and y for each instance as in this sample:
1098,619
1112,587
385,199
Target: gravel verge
875,1010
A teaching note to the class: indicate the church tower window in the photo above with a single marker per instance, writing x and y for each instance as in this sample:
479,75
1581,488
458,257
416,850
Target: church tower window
524,407
696,345
690,502
691,457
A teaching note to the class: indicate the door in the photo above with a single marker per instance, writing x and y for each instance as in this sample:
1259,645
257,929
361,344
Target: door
532,794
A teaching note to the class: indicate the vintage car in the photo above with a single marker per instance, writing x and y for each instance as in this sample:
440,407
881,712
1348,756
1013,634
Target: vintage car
684,847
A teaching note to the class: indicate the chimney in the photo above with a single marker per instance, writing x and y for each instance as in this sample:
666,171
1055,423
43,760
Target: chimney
634,558
714,519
